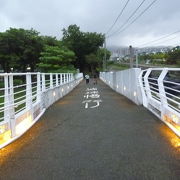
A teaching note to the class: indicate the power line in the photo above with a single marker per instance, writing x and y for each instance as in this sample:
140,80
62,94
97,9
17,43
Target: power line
163,37
134,19
134,12
166,40
118,17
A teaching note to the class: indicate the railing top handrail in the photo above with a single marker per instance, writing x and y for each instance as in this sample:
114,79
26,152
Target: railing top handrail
169,69
31,73
156,69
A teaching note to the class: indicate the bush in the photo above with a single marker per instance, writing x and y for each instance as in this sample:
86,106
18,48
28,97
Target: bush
1,84
18,82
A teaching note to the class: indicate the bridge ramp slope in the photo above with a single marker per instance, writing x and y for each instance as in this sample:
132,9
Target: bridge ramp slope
116,140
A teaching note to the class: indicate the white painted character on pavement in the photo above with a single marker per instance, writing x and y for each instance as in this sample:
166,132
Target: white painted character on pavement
91,89
94,101
87,96
86,103
97,103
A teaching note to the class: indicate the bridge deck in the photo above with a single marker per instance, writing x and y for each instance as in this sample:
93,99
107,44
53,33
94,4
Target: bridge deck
117,140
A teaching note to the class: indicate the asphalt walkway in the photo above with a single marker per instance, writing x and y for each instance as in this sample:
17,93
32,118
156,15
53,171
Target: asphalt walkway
93,134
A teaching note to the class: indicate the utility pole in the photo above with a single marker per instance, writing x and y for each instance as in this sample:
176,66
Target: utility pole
105,55
136,58
104,61
131,56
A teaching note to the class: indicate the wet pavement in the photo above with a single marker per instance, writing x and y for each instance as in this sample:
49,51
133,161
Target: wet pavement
116,140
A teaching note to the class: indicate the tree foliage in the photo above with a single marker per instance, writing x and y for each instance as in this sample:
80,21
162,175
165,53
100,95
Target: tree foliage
95,60
173,56
83,44
56,59
170,57
19,48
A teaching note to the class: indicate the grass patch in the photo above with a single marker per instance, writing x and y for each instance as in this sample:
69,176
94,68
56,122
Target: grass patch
116,67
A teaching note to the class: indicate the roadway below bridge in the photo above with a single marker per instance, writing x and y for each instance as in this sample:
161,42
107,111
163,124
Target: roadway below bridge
93,133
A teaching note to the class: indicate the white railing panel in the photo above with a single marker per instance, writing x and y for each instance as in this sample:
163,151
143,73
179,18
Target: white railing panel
154,88
124,82
161,95
26,96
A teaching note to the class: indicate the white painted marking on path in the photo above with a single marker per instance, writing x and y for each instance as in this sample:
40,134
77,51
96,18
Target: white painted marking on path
91,97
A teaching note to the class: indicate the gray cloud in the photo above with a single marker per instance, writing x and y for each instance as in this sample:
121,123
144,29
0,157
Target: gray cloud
50,16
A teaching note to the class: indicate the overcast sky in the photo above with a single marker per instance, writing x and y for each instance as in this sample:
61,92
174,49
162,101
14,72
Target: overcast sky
49,17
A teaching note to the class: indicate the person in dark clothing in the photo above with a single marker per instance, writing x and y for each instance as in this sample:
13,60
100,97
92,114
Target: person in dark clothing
95,80
87,78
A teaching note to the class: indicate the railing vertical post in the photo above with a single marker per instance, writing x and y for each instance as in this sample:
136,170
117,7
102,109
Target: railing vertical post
12,107
6,97
162,92
51,80
71,76
43,82
64,78
147,86
144,97
68,77
61,82
38,87
28,92
57,80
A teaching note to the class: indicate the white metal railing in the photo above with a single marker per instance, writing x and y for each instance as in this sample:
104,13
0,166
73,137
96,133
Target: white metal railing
160,89
25,96
124,82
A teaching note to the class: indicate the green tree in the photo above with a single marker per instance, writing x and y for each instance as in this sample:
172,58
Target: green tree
6,56
95,60
173,56
50,41
82,43
101,53
19,48
56,59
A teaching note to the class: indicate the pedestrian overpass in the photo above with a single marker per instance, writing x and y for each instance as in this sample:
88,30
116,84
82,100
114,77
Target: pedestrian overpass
93,132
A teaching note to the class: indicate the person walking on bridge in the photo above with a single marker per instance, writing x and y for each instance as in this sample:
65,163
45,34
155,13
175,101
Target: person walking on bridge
87,78
95,80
